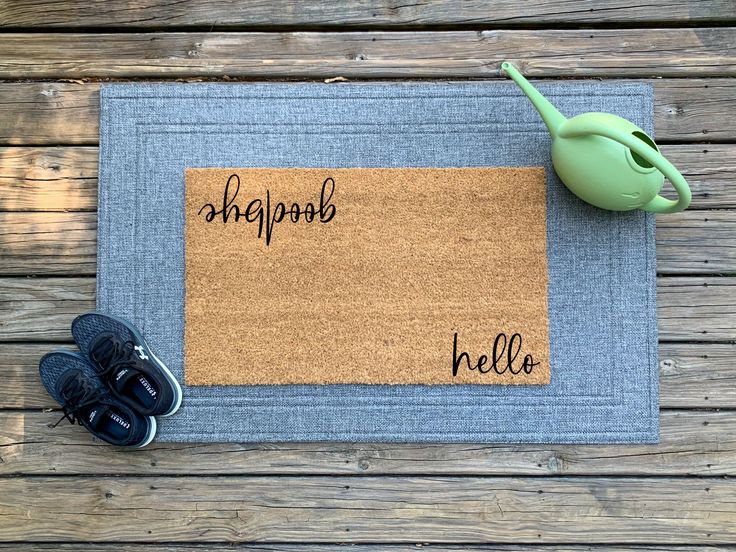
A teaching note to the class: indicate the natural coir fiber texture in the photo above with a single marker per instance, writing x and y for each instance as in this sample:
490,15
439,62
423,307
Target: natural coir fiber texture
398,273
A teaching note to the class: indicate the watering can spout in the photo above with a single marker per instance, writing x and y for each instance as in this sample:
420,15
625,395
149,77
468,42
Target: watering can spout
606,160
550,115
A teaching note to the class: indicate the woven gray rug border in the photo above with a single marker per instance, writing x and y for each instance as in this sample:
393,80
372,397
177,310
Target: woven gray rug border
602,265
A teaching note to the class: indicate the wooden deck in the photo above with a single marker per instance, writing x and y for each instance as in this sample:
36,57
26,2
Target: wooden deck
59,491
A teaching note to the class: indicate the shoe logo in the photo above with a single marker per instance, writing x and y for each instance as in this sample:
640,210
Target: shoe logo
119,420
141,354
92,416
147,386
120,374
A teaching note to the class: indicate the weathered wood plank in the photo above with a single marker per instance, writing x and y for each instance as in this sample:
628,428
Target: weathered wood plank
41,309
696,309
694,375
48,179
691,375
68,113
690,110
710,170
368,509
49,113
692,443
34,14
261,547
33,309
694,242
447,54
65,178
48,243
51,243
19,383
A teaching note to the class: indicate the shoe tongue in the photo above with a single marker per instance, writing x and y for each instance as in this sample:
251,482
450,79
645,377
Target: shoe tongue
94,416
122,377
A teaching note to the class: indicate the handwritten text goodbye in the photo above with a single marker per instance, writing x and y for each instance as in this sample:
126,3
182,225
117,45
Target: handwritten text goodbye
267,215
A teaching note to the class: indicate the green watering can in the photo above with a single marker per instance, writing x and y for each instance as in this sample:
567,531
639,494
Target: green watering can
606,160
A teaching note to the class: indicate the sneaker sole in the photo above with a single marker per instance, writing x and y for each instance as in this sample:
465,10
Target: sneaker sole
150,435
177,388
167,373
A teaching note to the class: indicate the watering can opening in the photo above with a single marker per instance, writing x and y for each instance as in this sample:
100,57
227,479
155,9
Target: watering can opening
638,159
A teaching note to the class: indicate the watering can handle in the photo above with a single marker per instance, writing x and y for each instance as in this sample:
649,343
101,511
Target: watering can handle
574,128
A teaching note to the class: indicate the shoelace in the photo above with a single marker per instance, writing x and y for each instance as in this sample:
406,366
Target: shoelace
118,355
77,394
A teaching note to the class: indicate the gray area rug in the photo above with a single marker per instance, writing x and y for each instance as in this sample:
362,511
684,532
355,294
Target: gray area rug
603,326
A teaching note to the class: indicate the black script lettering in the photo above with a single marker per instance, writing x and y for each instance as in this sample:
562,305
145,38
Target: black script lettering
309,212
228,203
295,212
502,347
267,218
326,210
457,359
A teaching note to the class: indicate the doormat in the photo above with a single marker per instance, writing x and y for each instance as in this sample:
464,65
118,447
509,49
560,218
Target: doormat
376,276
601,265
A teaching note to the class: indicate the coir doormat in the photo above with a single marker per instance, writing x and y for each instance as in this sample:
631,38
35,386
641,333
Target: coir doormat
377,276
601,265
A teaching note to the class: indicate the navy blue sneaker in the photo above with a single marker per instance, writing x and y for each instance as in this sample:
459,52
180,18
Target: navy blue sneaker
126,364
72,382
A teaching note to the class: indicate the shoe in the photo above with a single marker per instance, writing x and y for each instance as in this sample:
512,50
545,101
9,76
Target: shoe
126,364
72,382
